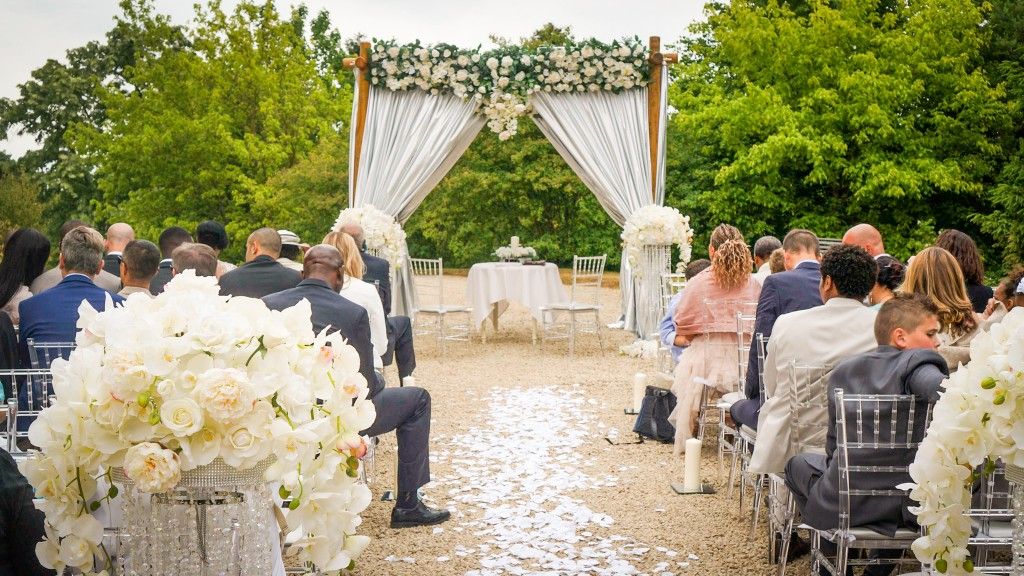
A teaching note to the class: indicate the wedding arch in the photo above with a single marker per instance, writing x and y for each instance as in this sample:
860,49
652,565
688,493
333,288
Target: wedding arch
418,108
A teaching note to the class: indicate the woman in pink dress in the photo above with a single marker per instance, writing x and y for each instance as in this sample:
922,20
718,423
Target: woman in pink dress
706,318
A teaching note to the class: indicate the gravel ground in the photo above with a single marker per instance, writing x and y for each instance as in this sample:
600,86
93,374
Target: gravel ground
631,482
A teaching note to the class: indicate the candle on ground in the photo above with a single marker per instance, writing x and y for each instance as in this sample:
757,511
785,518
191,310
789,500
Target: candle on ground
639,390
691,466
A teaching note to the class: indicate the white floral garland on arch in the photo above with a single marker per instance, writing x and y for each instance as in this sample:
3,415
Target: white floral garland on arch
164,385
502,79
381,231
978,419
656,225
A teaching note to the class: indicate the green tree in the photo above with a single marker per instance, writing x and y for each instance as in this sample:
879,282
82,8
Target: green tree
835,113
205,129
19,203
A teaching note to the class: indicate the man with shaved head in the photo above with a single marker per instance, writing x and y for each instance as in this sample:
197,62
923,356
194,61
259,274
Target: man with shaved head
118,236
261,274
867,237
405,410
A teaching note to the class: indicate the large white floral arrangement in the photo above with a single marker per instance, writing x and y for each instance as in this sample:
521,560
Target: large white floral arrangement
502,79
165,385
658,226
978,419
381,231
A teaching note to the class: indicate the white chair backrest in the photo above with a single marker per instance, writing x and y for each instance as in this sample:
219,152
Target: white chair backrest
808,404
428,275
744,339
671,284
42,354
587,273
30,394
761,341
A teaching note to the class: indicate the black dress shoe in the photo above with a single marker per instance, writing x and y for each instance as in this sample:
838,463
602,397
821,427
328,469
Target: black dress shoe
421,515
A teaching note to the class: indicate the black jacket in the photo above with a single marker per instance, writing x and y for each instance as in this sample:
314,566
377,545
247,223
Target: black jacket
112,264
378,271
258,277
331,310
21,524
163,276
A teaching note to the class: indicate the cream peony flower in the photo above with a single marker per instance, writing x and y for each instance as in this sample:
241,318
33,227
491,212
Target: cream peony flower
225,394
153,468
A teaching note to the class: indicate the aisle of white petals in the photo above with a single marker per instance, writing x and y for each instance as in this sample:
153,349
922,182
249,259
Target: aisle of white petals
512,485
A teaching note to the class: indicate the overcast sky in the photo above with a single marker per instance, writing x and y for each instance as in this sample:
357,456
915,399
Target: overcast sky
32,31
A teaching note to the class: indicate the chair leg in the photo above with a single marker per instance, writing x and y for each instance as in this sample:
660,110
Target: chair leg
758,498
572,333
787,532
597,327
842,553
533,334
440,333
815,552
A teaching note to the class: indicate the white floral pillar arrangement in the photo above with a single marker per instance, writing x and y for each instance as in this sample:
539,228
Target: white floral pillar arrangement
383,234
647,238
978,419
515,251
163,389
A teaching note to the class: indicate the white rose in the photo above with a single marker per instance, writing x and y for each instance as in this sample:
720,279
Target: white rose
225,394
506,61
152,467
182,416
492,63
393,52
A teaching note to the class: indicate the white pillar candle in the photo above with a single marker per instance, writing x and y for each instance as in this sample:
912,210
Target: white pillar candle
639,390
691,466
515,242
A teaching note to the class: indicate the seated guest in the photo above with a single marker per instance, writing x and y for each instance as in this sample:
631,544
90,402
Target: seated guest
194,256
365,295
53,315
777,261
889,279
763,249
261,274
795,289
706,321
25,254
118,236
821,336
935,273
21,523
963,248
291,250
1004,297
53,276
139,262
378,270
215,236
405,410
867,237
667,328
8,352
169,240
905,362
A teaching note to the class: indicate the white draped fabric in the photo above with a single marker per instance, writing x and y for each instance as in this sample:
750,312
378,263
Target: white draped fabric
411,140
604,138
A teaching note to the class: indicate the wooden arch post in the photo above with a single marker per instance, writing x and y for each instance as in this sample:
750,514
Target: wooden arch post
362,62
654,106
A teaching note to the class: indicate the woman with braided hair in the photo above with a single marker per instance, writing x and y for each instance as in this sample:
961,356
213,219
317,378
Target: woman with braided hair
705,320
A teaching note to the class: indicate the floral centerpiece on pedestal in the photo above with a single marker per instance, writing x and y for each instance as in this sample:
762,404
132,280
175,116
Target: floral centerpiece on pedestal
515,251
659,226
978,419
383,234
164,386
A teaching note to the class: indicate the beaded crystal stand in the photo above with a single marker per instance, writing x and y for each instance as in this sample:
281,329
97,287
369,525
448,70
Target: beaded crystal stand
1015,475
655,260
215,522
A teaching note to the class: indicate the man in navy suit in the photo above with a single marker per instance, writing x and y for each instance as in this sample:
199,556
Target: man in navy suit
52,316
405,410
789,291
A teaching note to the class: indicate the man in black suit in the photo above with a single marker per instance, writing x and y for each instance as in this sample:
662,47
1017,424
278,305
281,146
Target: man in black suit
261,274
406,410
170,239
789,291
377,270
118,236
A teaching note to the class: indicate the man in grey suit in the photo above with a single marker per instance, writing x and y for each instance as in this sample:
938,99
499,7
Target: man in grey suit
905,362
782,293
405,410
53,276
261,274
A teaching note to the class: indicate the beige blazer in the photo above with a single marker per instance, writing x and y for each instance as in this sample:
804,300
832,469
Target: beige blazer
52,277
819,336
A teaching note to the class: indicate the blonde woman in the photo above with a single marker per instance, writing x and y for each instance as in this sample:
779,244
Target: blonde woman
705,319
361,293
935,273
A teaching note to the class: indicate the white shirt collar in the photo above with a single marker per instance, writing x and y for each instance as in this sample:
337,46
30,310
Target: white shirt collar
806,260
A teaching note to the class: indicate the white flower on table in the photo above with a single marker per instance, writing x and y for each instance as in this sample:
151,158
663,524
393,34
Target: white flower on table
153,468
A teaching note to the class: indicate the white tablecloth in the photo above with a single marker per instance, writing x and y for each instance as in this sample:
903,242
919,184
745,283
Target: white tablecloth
492,284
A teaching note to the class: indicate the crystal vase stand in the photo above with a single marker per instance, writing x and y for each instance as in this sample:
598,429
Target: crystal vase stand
654,261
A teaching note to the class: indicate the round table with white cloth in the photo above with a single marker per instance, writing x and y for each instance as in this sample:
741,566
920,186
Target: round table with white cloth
492,284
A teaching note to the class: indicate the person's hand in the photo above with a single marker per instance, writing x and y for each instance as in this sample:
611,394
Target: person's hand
681,341
989,308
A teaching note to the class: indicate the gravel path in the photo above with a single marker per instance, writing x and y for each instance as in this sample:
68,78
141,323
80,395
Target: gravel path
518,454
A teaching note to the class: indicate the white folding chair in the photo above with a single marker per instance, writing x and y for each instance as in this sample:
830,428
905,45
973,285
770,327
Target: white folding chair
584,299
992,514
30,395
747,435
671,284
729,440
42,354
871,429
718,321
428,274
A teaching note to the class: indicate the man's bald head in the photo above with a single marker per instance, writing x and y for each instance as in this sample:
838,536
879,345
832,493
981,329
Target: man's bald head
355,231
867,237
118,236
324,262
263,242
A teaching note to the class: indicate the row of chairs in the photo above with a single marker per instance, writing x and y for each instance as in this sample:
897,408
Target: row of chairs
561,320
867,425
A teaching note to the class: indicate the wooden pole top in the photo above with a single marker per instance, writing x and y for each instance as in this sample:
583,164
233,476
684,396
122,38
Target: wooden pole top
361,61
